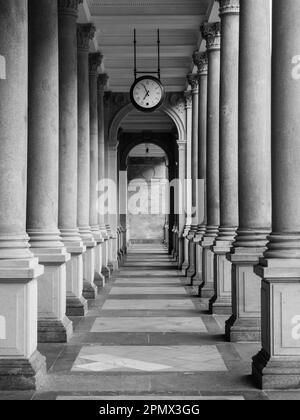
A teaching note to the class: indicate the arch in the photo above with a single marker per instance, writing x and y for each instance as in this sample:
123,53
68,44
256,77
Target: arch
123,112
134,141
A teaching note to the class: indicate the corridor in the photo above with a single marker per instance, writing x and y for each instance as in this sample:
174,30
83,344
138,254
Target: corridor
147,336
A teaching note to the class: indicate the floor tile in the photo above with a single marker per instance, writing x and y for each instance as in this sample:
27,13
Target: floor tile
149,359
149,324
148,304
159,290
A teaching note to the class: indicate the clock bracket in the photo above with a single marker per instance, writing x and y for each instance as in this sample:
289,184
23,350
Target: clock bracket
136,71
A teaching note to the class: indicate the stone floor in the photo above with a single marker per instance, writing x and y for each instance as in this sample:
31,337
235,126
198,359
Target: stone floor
147,336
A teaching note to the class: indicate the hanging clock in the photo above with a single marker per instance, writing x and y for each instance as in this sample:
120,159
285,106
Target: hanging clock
147,94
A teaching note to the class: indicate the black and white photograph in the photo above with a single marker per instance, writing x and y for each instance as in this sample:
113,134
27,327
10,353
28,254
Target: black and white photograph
149,203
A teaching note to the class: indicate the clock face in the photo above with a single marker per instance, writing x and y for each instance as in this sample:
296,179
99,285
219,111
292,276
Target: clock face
147,93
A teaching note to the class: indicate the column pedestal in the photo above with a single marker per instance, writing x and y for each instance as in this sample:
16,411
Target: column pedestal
191,271
221,304
21,366
245,323
186,243
53,325
277,366
89,261
207,290
76,303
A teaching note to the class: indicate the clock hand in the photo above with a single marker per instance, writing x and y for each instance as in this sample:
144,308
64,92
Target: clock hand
147,94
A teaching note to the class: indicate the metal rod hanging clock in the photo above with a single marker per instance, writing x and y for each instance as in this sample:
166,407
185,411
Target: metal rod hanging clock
147,92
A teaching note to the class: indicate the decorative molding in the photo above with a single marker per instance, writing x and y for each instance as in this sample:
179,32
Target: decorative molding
102,81
229,7
193,81
95,61
85,33
69,7
201,61
211,32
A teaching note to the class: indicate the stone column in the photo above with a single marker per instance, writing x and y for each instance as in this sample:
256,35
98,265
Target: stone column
68,154
211,32
229,218
188,176
43,155
95,61
21,366
277,366
254,170
193,81
102,82
182,150
201,61
85,33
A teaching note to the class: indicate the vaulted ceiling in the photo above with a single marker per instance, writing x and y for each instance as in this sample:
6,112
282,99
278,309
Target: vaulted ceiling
178,20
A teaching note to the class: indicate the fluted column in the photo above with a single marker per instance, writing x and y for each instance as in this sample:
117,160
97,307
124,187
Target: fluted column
68,154
211,32
229,218
277,366
43,155
194,82
21,366
201,61
254,170
102,82
85,33
95,61
188,177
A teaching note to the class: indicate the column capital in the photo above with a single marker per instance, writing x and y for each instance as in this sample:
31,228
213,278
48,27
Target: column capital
193,80
95,61
85,34
211,32
201,61
188,99
102,82
68,7
230,7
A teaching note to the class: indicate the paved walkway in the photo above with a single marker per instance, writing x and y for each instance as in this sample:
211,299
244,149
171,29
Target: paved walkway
147,335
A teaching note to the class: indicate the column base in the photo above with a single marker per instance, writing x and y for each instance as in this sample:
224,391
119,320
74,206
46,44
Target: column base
54,330
243,330
22,374
106,272
89,291
220,306
207,291
99,280
275,373
76,306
